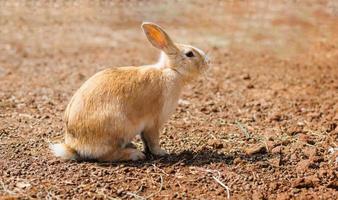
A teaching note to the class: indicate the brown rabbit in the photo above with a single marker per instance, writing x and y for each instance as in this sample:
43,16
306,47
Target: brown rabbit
116,104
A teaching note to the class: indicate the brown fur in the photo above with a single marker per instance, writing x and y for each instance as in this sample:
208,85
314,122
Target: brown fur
116,104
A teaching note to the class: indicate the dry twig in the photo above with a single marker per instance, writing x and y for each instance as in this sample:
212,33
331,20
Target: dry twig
159,190
223,185
217,179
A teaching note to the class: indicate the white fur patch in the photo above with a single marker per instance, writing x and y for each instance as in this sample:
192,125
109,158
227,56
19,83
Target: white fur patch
171,95
162,61
58,150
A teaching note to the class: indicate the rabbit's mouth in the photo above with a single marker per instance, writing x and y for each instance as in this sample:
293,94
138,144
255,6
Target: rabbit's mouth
177,71
206,63
207,59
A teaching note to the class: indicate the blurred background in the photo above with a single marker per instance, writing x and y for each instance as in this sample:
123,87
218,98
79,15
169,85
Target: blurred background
283,28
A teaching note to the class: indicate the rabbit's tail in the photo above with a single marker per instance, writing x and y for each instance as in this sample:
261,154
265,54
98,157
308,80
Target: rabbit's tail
64,151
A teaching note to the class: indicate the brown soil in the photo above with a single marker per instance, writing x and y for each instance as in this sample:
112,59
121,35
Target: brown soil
261,125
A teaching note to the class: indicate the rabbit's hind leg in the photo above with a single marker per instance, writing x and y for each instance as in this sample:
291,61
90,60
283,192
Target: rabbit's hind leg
123,154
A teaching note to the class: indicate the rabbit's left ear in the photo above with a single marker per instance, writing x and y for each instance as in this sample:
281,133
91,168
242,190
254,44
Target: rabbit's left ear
159,38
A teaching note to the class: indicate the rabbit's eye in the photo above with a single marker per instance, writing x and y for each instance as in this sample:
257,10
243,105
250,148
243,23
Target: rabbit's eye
189,54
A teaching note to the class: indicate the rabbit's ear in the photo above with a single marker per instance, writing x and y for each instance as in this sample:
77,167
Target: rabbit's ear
159,38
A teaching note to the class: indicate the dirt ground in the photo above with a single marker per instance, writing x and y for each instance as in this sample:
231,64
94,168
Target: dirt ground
262,124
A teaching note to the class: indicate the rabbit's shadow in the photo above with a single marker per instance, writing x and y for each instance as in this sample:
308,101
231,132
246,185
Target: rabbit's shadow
190,158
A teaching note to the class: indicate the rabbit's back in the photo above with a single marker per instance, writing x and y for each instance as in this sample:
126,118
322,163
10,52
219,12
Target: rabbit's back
114,96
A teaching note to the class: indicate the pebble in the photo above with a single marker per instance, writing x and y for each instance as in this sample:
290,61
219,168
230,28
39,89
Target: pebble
215,143
277,150
305,138
304,165
259,148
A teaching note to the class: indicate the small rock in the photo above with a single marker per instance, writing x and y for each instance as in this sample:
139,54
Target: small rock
294,157
304,165
119,192
332,150
313,179
259,148
215,143
246,77
182,102
314,115
171,171
295,190
277,149
305,138
276,117
316,159
274,161
308,182
271,145
215,110
81,76
23,185
204,110
293,130
310,151
250,86
298,183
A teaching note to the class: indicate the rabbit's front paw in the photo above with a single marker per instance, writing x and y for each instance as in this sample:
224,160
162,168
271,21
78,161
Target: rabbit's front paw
137,155
159,151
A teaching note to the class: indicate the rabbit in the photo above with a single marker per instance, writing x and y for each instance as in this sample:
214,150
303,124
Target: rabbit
116,104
